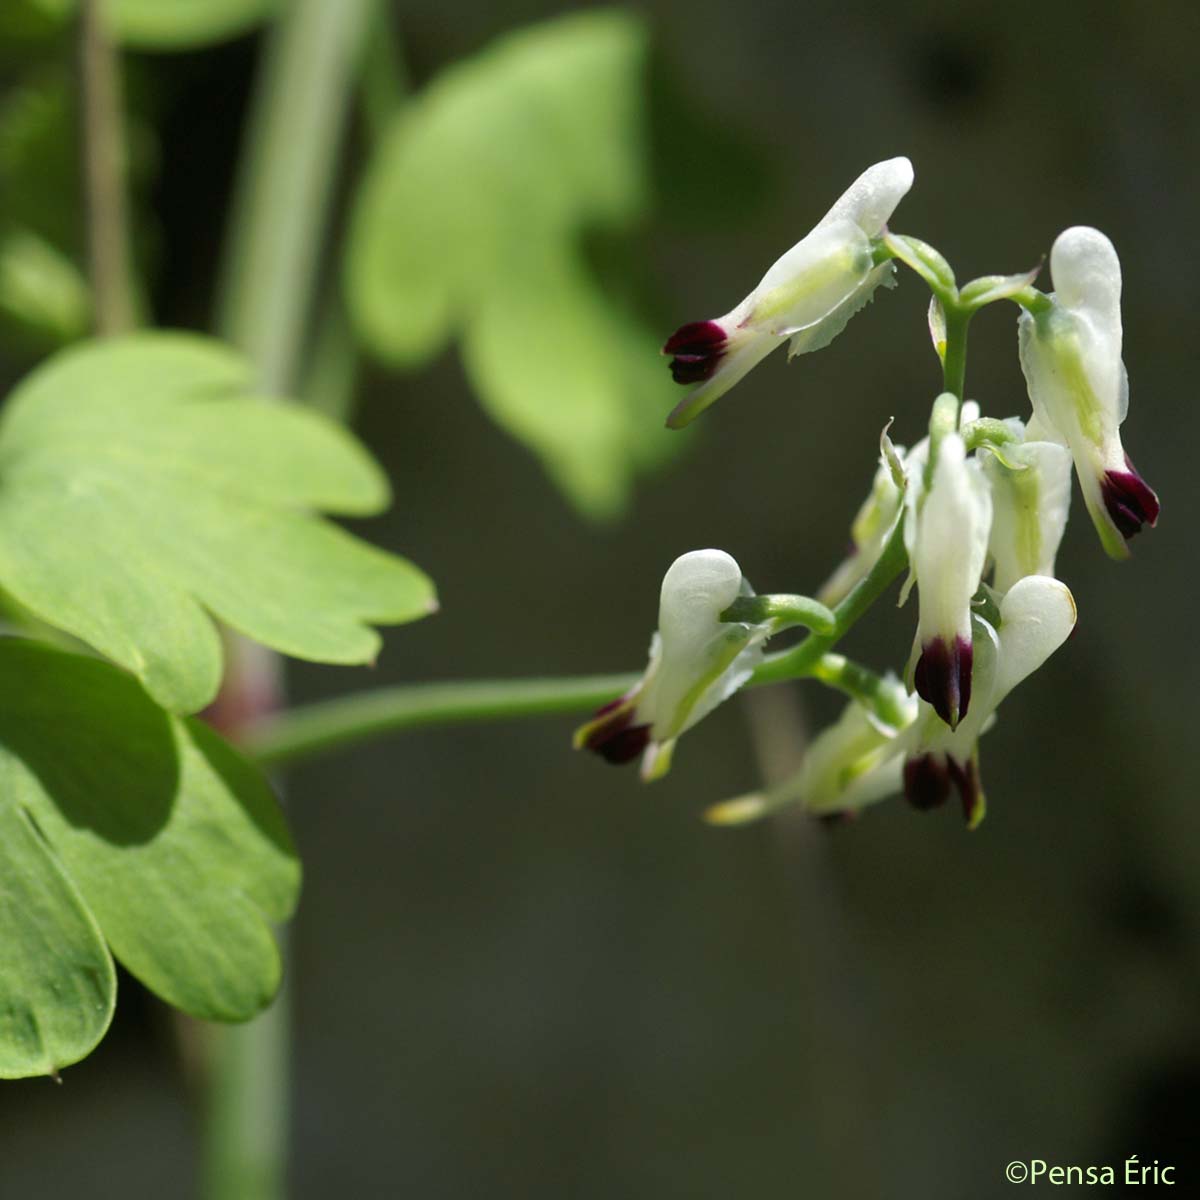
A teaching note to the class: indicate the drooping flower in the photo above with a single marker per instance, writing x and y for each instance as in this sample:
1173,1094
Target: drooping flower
946,534
854,763
696,661
859,761
808,295
1031,497
1071,356
1036,616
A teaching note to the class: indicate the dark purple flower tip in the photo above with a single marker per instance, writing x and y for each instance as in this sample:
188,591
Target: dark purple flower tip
929,779
697,349
943,677
926,781
966,779
1130,501
617,739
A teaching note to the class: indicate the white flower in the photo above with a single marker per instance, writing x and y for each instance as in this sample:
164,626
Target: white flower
807,296
696,661
858,761
852,764
946,534
1036,617
1031,496
1071,356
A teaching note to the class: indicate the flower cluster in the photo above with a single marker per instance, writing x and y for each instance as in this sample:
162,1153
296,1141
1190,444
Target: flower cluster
978,508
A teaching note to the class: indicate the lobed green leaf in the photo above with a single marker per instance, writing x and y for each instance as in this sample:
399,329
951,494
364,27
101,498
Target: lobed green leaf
470,222
142,493
120,823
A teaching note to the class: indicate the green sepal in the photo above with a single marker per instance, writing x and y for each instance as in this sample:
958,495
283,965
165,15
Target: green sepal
987,289
927,262
994,436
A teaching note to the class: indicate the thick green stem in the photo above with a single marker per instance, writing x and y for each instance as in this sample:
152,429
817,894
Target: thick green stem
103,146
288,166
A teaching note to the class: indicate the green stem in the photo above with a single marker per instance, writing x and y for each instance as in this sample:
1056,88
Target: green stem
288,165
303,732
247,1132
783,611
300,733
103,147
860,683
954,365
800,661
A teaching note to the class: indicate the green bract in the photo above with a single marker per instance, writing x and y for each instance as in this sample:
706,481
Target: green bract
120,823
470,222
143,492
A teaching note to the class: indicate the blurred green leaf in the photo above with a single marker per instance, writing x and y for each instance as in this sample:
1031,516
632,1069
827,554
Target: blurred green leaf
471,219
39,167
41,289
142,490
117,818
154,24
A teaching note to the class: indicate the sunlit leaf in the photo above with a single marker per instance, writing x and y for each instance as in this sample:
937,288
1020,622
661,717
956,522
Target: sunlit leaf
117,817
142,493
470,222
57,985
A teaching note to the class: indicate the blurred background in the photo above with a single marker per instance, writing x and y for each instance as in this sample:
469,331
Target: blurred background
516,971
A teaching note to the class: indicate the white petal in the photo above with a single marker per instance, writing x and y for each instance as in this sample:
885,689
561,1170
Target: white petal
950,542
703,660
696,588
1087,275
872,198
811,280
1036,617
1029,509
818,336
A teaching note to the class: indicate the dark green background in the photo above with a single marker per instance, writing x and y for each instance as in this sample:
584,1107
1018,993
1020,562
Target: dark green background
519,973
